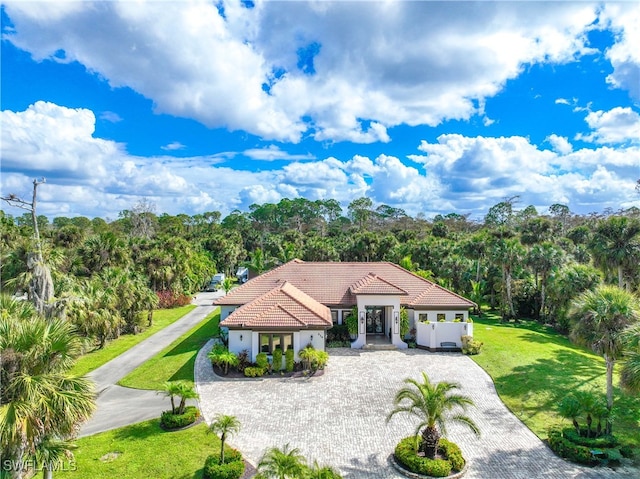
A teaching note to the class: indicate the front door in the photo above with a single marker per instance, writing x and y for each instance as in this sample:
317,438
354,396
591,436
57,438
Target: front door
375,320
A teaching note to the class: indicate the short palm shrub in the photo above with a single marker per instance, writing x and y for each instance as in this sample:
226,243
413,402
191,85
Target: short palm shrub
231,468
313,359
222,358
289,360
169,420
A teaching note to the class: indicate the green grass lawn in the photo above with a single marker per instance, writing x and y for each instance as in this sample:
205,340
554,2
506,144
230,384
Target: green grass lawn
94,359
143,450
534,367
177,360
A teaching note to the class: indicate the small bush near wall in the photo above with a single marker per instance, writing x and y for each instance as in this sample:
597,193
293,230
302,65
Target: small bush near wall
233,467
243,360
339,332
277,360
254,372
470,346
289,360
262,361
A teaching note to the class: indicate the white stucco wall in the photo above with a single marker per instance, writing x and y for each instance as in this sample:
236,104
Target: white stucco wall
430,335
315,337
226,311
392,307
237,345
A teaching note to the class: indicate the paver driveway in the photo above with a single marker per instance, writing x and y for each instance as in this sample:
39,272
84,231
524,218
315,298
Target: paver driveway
339,418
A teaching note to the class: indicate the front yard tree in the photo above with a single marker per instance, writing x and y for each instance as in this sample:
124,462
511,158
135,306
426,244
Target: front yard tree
41,284
616,245
630,372
434,405
285,463
40,398
601,318
225,426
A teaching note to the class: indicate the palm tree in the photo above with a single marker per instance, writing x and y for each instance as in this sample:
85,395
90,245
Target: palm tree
322,472
51,452
432,404
285,463
601,316
185,391
224,359
40,399
630,371
171,389
225,426
227,284
181,389
616,244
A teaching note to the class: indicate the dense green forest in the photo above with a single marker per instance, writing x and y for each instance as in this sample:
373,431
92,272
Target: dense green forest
519,261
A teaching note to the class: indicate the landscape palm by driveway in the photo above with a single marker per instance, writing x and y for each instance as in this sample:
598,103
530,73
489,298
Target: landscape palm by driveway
339,418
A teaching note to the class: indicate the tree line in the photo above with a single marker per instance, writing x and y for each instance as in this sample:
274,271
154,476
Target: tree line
520,261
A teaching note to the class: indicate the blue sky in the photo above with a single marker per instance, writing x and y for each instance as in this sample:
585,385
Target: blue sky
434,107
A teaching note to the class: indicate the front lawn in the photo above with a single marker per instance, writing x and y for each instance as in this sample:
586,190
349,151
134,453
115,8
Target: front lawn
177,360
534,367
96,358
143,450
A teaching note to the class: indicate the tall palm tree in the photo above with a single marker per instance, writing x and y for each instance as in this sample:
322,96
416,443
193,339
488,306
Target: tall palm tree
600,318
285,463
434,405
51,452
40,398
225,426
630,371
616,245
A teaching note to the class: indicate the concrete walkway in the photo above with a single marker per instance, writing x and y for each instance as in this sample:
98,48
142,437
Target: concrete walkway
119,406
339,417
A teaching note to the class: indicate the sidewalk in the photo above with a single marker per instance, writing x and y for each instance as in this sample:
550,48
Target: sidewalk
119,406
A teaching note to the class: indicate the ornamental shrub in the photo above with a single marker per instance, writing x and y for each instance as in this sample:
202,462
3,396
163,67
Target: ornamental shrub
565,448
262,361
277,360
452,453
254,372
470,346
168,420
233,467
172,299
406,454
607,440
289,360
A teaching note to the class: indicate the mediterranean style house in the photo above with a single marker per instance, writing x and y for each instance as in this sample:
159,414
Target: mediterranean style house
294,304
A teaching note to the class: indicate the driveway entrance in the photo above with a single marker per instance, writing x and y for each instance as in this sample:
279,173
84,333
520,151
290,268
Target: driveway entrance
339,418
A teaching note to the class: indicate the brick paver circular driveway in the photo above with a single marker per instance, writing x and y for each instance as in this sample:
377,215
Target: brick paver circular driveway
339,418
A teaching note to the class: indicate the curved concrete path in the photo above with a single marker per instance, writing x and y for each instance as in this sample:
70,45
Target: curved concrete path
119,406
339,417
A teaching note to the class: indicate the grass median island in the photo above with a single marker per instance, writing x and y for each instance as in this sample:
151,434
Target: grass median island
534,367
143,450
176,361
94,359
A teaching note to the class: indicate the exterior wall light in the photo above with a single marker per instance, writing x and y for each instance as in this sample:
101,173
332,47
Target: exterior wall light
241,338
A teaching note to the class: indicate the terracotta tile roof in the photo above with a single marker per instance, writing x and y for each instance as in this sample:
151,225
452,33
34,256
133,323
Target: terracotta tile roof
331,284
373,284
284,306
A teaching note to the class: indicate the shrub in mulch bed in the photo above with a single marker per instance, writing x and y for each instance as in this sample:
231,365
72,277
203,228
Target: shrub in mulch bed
451,459
171,422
